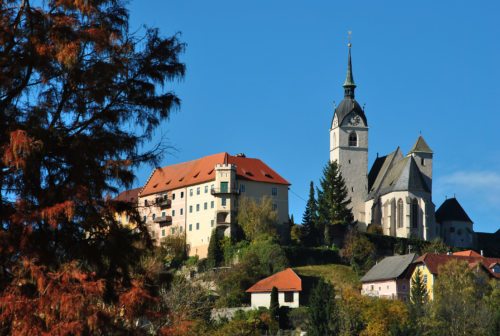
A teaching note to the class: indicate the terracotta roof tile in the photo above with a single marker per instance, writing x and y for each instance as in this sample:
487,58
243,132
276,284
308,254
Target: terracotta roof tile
202,170
433,261
467,253
284,281
129,195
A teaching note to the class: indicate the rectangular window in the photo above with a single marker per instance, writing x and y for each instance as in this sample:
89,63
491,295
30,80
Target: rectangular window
163,233
205,206
173,196
206,189
224,187
190,209
180,229
197,226
223,201
182,211
198,191
212,204
288,296
144,218
425,279
163,214
182,194
197,207
275,206
452,229
172,230
190,227
173,213
212,223
191,192
274,191
145,202
242,188
154,216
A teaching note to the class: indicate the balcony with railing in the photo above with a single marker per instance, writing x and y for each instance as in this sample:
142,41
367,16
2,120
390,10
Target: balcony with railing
164,203
224,191
163,220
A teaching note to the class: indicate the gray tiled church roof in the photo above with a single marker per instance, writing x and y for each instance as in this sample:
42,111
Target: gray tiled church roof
389,268
421,146
396,173
451,210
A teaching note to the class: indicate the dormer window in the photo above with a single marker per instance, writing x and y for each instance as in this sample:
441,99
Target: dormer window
353,139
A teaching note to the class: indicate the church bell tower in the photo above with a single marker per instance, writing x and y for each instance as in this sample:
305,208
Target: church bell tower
349,145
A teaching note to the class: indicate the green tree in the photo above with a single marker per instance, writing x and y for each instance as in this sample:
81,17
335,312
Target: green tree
333,201
310,219
359,251
457,307
80,96
418,301
323,312
257,218
274,307
435,246
215,254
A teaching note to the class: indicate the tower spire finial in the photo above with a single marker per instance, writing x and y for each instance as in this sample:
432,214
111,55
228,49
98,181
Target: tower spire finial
349,84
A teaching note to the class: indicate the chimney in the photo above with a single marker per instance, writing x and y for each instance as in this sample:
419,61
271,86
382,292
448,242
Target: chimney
482,253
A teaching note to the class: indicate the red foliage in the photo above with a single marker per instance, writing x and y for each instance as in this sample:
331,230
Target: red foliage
19,147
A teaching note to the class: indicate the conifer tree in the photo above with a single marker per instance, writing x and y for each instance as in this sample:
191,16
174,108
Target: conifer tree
80,96
310,218
274,307
418,300
323,311
215,253
333,201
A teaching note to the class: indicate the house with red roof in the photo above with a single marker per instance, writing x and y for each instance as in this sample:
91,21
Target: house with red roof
191,199
429,266
287,282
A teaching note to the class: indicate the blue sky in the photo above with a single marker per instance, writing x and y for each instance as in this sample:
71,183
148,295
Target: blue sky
262,77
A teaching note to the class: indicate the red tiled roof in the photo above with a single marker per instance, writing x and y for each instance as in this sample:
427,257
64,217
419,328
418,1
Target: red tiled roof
202,170
467,253
128,195
284,281
433,261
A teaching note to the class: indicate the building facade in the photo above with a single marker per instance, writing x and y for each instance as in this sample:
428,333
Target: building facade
193,198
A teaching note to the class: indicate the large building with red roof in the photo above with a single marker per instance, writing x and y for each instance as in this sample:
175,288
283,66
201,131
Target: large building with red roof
195,197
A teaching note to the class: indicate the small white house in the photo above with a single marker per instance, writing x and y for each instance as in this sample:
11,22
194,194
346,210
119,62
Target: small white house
287,282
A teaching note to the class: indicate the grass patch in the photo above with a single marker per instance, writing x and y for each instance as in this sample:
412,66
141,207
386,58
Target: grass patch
341,276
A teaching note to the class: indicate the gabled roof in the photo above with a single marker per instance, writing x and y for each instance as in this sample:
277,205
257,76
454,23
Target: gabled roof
202,170
381,168
451,210
421,146
433,261
284,281
130,196
398,175
389,268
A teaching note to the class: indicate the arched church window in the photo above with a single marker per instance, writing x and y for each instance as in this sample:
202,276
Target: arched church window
400,213
353,139
414,213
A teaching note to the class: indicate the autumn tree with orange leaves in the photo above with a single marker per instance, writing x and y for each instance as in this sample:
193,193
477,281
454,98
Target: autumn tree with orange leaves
79,96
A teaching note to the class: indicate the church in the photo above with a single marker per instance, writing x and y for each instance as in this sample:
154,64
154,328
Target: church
395,194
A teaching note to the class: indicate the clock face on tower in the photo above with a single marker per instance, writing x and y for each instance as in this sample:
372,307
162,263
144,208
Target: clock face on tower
355,120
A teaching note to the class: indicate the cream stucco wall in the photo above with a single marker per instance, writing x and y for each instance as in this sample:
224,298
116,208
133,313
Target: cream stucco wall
426,228
264,300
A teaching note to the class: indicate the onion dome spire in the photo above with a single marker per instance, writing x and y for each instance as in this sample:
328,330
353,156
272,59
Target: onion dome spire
349,84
